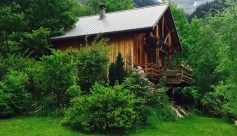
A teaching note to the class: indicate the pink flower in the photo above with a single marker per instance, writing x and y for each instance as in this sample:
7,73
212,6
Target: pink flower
140,71
158,90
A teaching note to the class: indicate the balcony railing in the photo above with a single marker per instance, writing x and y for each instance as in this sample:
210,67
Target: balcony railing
177,75
151,70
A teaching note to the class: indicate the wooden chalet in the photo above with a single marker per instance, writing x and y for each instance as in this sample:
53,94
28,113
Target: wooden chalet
146,37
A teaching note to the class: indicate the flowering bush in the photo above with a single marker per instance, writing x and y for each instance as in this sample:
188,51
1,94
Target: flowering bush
153,96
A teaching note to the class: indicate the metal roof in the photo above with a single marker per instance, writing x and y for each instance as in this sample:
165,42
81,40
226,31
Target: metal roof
126,20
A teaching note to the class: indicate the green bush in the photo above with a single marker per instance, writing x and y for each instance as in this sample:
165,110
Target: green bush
222,101
56,77
15,62
153,97
106,108
91,63
165,113
13,97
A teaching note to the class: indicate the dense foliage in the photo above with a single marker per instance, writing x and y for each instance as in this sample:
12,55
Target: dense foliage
154,101
105,109
26,25
14,99
91,63
56,77
223,25
121,107
212,40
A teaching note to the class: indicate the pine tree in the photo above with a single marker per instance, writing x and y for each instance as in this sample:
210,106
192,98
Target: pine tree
117,71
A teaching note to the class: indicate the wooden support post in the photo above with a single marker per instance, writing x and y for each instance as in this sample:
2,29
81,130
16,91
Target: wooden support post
145,44
169,60
141,50
157,30
169,43
163,26
157,48
145,57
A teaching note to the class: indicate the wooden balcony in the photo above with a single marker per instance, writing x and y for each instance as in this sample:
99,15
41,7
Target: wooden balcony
177,75
152,71
174,75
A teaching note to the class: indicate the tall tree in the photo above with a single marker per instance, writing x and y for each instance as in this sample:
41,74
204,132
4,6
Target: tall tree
183,28
27,24
224,27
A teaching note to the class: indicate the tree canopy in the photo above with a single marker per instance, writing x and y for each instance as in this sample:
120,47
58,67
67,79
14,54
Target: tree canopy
211,7
25,25
209,48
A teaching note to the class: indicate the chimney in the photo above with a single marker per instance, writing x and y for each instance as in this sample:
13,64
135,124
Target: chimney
102,11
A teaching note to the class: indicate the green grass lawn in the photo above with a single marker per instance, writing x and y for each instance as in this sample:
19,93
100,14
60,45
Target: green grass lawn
46,126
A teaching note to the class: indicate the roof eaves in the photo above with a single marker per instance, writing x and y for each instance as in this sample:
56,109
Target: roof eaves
129,30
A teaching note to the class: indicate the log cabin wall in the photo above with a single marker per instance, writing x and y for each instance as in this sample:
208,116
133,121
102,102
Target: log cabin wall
138,48
123,43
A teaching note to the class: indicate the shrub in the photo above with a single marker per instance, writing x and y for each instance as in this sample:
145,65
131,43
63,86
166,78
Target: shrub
15,62
54,76
13,97
222,101
155,96
105,109
91,63
165,113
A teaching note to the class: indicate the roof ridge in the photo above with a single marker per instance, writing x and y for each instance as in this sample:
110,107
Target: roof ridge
162,4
